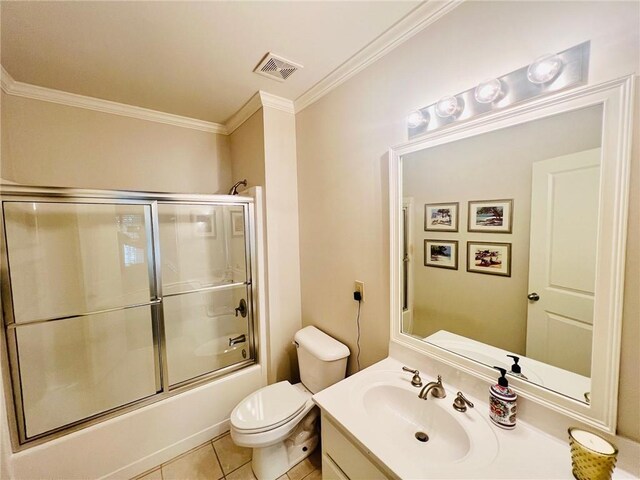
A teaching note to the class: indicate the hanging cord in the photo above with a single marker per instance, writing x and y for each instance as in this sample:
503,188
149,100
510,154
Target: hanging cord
358,340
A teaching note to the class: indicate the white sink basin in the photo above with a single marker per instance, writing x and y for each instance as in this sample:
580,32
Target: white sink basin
401,414
386,404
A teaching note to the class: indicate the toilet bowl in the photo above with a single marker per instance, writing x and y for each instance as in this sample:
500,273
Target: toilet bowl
281,436
279,421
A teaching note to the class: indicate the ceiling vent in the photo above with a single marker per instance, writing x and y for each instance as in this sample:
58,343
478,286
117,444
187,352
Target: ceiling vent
276,68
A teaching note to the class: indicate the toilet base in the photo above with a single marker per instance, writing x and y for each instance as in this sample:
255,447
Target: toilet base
269,463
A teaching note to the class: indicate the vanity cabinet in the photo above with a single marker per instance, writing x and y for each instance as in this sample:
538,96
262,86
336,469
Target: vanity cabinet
342,459
369,420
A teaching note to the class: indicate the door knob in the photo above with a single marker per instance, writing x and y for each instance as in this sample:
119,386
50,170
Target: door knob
534,297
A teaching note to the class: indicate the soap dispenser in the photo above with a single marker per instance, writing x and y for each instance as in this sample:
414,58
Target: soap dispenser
515,368
502,402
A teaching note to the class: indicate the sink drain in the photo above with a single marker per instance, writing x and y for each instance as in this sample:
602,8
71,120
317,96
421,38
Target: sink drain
422,437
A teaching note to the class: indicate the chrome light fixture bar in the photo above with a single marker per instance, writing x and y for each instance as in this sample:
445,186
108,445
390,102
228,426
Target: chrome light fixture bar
545,75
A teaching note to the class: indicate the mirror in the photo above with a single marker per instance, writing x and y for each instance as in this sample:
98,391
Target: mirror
507,236
546,174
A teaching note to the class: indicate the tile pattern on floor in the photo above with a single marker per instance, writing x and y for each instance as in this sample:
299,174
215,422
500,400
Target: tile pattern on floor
220,458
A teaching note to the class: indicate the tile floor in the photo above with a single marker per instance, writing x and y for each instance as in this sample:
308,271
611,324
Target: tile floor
220,458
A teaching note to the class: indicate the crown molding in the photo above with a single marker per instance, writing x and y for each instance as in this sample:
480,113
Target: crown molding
256,102
252,106
413,23
6,80
260,99
19,89
278,103
416,21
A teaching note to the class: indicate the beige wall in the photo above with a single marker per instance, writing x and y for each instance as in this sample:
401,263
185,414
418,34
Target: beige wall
343,141
49,144
281,206
263,150
247,151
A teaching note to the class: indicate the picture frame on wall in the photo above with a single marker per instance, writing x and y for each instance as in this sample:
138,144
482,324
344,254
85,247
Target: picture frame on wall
441,217
441,253
237,224
490,216
490,258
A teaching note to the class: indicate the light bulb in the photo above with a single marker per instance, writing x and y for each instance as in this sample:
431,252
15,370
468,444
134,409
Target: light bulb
544,69
417,119
488,91
447,107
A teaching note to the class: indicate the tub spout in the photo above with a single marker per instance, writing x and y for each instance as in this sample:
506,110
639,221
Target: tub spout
239,339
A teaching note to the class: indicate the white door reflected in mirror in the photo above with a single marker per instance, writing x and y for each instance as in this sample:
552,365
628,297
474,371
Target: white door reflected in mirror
564,232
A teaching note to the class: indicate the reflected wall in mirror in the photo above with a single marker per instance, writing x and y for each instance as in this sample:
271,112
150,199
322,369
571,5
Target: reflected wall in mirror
550,168
561,165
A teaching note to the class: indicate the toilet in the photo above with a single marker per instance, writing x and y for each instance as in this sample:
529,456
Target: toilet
279,421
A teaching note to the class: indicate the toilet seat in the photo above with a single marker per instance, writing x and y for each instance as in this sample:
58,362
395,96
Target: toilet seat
268,408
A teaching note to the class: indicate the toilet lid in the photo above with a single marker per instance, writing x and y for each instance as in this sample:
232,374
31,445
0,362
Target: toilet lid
268,407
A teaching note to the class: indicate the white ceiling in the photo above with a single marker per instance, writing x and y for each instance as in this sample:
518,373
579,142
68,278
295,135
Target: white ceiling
194,59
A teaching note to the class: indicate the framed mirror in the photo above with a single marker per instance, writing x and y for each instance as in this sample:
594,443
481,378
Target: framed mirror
507,246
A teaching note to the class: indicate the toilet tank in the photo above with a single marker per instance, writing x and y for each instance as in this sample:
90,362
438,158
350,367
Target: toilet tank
322,359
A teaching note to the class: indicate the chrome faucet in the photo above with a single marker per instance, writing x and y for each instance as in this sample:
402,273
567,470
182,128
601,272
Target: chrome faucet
436,389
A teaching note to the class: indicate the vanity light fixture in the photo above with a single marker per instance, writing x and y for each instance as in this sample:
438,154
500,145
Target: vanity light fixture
544,69
448,107
488,91
547,74
417,119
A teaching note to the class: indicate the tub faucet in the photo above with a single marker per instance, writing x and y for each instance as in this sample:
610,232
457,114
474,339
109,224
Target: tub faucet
436,389
238,339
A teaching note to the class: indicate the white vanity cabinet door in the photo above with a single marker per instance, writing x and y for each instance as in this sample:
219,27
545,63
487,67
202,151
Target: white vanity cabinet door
331,471
342,460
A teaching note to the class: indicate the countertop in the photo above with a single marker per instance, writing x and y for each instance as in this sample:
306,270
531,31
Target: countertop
524,452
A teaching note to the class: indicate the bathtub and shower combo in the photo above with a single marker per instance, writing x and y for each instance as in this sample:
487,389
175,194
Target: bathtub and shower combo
113,301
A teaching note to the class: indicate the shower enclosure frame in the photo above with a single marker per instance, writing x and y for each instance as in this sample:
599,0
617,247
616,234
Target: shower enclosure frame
8,342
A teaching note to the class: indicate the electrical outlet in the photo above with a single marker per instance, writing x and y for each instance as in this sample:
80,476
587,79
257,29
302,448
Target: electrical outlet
359,287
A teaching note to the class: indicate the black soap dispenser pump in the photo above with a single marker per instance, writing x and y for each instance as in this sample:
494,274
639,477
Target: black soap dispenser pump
515,368
502,402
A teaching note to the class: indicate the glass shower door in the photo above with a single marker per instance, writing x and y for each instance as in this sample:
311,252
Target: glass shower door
205,288
81,320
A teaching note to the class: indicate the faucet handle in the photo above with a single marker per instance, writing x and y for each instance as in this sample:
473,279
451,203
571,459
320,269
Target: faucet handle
416,381
460,403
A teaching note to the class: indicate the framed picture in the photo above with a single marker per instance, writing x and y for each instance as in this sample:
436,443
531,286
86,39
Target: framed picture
204,224
441,254
490,258
490,216
237,224
441,217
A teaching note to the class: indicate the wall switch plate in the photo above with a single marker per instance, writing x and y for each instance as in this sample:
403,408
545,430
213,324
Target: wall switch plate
359,287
